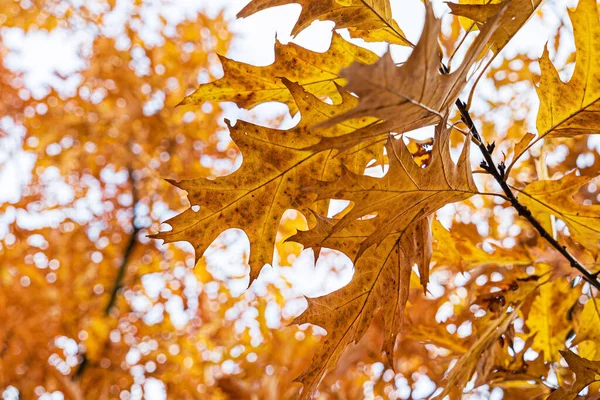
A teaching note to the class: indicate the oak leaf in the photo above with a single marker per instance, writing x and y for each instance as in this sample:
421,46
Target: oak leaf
411,96
516,372
462,371
276,166
587,330
249,85
491,328
520,147
403,200
573,108
586,372
380,285
546,197
407,193
548,317
370,20
516,15
420,149
523,143
459,248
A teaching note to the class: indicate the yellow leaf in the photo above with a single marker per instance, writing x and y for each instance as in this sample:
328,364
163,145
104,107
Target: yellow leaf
370,20
587,329
547,318
460,249
380,285
519,148
276,166
248,85
465,366
573,108
556,198
411,96
479,13
516,15
523,143
402,200
586,372
420,150
407,193
202,273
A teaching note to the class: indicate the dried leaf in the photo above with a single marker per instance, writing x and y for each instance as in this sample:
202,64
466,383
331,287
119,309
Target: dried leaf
276,166
586,372
411,96
465,366
516,15
407,193
402,200
370,20
573,108
380,285
461,250
556,198
248,85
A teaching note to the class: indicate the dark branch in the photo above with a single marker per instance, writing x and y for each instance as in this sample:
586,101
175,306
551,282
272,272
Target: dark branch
120,273
128,249
81,367
122,269
498,172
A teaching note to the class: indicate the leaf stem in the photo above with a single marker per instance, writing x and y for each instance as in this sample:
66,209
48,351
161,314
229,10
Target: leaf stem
494,194
498,172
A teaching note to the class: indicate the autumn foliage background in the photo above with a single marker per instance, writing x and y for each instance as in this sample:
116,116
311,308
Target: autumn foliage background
92,307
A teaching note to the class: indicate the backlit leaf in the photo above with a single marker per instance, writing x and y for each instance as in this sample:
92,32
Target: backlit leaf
516,15
370,20
407,193
573,108
586,372
380,286
548,318
248,85
412,95
556,198
277,165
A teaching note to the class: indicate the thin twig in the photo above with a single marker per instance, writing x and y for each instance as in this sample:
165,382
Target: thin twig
128,249
494,194
120,273
498,172
81,367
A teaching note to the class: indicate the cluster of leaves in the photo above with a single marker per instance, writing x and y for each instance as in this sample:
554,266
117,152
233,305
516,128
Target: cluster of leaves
519,300
91,307
444,299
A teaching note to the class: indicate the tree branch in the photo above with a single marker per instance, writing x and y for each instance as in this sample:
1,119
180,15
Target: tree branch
498,172
122,269
128,249
120,273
